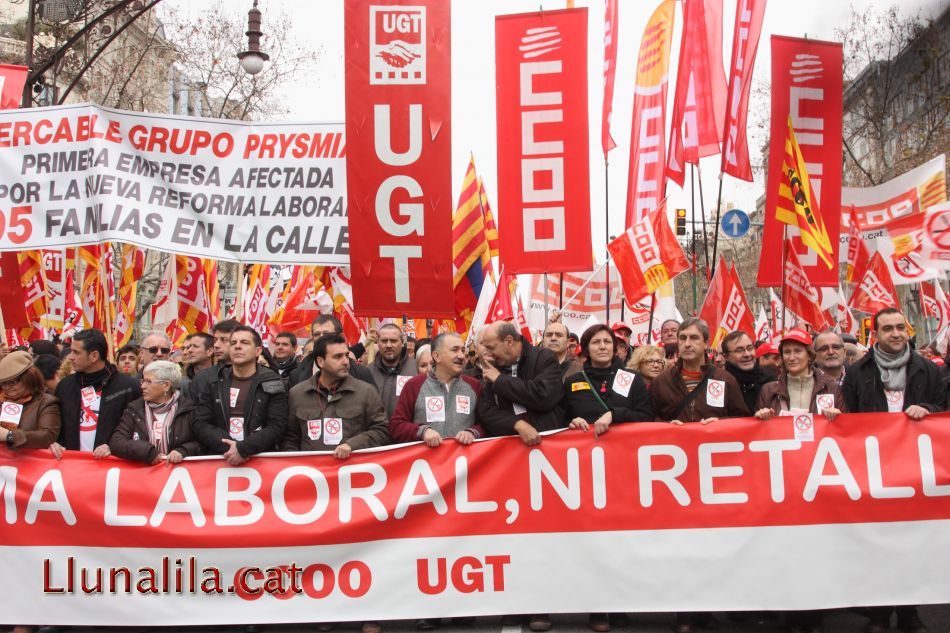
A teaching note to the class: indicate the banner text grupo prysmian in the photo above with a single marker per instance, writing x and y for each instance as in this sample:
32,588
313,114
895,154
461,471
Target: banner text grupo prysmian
736,515
251,192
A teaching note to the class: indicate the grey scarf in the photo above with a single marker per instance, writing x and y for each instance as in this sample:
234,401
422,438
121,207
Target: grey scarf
893,367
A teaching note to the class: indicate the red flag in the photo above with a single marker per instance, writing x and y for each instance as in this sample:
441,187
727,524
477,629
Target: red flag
12,80
699,105
801,297
12,296
725,308
646,181
647,256
934,303
858,255
501,308
611,16
806,87
875,290
745,42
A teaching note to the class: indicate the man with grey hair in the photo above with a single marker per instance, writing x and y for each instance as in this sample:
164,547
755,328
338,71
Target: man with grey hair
155,346
392,368
830,355
440,404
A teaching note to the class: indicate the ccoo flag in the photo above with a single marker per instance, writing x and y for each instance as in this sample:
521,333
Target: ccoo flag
647,256
797,204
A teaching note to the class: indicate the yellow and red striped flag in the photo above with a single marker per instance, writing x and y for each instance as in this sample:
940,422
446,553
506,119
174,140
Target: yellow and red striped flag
491,229
797,204
133,264
34,293
194,311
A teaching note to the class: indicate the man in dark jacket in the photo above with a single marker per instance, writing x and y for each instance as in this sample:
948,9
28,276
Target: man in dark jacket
392,368
284,351
242,410
892,378
691,390
332,410
522,390
555,338
93,398
307,368
739,352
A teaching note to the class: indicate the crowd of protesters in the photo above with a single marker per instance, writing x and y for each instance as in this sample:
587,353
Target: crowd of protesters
225,393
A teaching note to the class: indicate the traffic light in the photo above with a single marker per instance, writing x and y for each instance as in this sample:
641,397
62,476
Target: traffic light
681,222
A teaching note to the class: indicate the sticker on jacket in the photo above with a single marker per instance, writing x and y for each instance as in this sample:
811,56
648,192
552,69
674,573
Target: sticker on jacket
332,431
622,382
435,409
90,399
236,429
518,409
895,401
11,412
579,386
463,405
400,383
716,393
314,429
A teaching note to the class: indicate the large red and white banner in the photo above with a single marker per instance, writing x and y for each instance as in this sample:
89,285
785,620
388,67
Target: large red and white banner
806,86
418,532
745,43
398,113
250,192
543,141
646,180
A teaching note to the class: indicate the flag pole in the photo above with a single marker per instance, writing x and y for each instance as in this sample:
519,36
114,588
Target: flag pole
716,228
545,297
702,213
784,280
570,300
607,232
650,320
560,291
692,195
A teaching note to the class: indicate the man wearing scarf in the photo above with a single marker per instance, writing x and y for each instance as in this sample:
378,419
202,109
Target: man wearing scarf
93,398
891,378
739,352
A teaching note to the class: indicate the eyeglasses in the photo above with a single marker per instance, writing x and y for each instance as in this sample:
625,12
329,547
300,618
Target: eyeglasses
827,348
655,361
748,349
155,349
146,382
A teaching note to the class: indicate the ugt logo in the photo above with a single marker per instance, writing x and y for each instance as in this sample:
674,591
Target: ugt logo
397,45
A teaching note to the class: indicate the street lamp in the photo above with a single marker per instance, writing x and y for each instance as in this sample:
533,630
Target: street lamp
252,60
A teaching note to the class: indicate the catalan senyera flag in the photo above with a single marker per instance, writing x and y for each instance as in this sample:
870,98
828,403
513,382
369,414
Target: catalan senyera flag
93,295
470,250
133,265
212,289
647,256
797,204
491,229
34,293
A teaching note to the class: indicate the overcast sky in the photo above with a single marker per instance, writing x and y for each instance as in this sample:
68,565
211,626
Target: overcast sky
319,96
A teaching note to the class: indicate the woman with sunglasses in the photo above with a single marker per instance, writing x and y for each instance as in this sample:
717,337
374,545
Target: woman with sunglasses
32,415
157,426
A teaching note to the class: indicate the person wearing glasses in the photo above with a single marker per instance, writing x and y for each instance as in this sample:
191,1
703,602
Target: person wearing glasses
648,361
155,346
157,426
830,355
93,398
741,361
37,414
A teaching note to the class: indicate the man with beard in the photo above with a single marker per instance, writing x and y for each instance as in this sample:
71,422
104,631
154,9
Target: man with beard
739,352
891,378
392,368
830,355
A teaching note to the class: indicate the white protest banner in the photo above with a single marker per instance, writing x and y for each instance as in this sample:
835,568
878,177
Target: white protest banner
415,532
213,188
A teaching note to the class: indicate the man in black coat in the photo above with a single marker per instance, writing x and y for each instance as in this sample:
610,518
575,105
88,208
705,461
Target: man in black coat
242,408
523,386
93,398
306,369
739,351
892,378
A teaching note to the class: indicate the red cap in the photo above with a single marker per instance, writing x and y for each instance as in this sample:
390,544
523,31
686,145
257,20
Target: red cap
798,335
620,325
765,349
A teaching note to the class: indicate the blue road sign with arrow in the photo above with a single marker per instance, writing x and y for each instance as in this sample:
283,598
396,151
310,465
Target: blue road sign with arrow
735,223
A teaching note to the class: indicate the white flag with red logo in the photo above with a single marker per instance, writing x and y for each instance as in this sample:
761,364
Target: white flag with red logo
763,326
165,309
875,290
934,303
801,297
